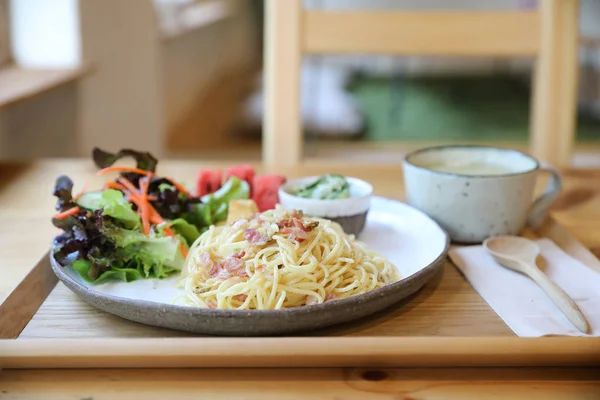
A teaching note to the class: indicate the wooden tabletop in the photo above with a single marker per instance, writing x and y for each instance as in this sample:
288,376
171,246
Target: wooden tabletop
26,205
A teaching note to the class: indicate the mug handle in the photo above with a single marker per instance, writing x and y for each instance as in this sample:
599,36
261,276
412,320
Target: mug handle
539,210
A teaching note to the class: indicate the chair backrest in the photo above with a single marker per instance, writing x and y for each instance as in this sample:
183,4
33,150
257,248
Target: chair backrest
548,33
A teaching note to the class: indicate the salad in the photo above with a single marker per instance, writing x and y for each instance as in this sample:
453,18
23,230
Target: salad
138,226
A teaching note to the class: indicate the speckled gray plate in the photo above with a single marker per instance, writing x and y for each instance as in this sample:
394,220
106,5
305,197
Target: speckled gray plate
410,239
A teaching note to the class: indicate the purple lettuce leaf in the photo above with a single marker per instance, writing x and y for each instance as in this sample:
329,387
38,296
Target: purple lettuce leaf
104,159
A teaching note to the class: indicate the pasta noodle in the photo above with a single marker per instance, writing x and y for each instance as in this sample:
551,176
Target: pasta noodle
279,259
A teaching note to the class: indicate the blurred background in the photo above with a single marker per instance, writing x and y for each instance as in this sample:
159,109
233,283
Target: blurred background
183,79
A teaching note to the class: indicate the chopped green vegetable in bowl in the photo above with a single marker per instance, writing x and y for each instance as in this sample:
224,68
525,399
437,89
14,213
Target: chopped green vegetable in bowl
327,187
345,200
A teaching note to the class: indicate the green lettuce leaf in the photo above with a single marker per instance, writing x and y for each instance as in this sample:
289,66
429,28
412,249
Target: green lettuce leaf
114,204
133,270
186,230
123,274
200,216
216,205
148,250
84,269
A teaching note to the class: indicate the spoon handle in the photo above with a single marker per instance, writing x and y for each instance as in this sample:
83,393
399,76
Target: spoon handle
561,299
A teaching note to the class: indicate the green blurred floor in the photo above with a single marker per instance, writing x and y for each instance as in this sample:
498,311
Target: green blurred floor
470,108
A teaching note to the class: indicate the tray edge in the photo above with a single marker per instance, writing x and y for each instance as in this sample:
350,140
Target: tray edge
300,352
25,299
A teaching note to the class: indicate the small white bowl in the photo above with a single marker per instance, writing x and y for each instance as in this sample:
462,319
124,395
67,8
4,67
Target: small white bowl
350,213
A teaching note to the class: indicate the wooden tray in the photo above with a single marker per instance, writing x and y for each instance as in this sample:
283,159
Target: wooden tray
44,325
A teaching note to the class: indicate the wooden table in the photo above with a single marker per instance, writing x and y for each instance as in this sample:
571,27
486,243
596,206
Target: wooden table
26,205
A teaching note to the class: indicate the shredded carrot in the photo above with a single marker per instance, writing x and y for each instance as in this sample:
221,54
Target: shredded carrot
128,185
141,198
65,214
124,169
134,198
154,216
170,232
130,196
178,186
132,190
78,195
144,209
183,249
115,185
137,201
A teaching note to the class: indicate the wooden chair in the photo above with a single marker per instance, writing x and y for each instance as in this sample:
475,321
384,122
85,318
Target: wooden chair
549,34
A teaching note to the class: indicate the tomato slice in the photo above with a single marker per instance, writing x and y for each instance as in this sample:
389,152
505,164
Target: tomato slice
265,190
245,172
209,181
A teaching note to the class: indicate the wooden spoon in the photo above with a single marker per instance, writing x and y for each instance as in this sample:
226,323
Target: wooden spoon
519,254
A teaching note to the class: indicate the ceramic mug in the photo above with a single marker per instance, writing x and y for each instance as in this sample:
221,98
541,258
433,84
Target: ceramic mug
474,192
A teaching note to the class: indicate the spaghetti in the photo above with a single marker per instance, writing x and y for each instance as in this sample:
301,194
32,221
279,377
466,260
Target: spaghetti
279,259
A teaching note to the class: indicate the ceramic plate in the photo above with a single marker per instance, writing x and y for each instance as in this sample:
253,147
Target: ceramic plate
409,238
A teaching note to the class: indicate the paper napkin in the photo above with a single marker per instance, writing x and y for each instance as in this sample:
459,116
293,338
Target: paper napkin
523,306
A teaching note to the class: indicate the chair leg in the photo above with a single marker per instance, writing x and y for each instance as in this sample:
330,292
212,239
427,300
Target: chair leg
282,133
555,86
570,75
